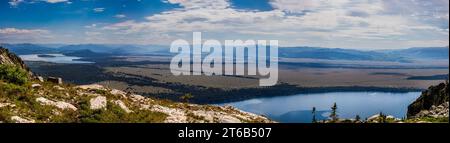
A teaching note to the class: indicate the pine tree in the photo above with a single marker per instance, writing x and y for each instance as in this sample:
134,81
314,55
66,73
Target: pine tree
333,115
314,115
357,118
382,118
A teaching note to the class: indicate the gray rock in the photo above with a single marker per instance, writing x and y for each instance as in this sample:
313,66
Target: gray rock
434,96
56,80
59,104
18,119
58,87
122,105
40,78
98,102
36,85
6,105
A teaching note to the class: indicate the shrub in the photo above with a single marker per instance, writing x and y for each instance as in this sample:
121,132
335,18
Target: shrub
13,74
11,90
4,115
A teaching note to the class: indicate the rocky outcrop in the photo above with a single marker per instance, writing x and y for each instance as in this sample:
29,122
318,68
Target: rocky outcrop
98,102
122,105
59,104
435,96
18,119
56,80
7,58
440,111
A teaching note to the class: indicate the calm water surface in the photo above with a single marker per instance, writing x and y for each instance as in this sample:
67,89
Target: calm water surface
297,108
56,58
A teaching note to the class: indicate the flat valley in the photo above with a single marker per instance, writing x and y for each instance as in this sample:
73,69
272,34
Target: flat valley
151,76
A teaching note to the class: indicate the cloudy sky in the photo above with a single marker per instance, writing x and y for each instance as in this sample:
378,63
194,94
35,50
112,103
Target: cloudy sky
358,24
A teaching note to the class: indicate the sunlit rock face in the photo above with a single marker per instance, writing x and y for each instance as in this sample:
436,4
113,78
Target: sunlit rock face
433,99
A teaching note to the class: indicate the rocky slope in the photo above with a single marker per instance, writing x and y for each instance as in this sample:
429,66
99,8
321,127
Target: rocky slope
432,103
36,100
7,58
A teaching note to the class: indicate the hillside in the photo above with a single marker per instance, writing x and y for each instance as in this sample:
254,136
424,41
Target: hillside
432,103
7,58
25,98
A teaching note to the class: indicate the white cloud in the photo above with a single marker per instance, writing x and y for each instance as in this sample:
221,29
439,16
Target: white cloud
120,16
15,3
88,33
91,26
195,4
329,23
98,10
56,1
295,5
11,31
24,35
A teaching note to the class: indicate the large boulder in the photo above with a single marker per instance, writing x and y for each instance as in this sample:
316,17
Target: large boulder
18,119
59,104
98,102
56,80
434,96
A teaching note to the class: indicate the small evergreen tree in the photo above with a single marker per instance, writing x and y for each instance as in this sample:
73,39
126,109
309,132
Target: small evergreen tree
314,115
382,118
333,115
357,118
186,97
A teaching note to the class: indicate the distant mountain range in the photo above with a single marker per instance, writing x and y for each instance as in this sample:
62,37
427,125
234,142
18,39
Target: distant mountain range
80,49
24,49
91,50
336,54
421,53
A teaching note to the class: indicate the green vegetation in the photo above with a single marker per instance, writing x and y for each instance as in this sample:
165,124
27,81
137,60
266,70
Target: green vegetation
13,75
4,115
27,106
15,89
186,97
428,119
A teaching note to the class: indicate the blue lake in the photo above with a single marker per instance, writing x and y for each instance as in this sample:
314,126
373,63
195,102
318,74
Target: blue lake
54,58
297,108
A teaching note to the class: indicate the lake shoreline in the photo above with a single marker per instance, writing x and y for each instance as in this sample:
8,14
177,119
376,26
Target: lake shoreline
298,108
319,90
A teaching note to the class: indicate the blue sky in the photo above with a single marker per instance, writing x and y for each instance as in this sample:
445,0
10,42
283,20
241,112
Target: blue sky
357,24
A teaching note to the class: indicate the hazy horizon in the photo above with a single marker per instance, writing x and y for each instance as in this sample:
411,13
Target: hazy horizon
168,46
